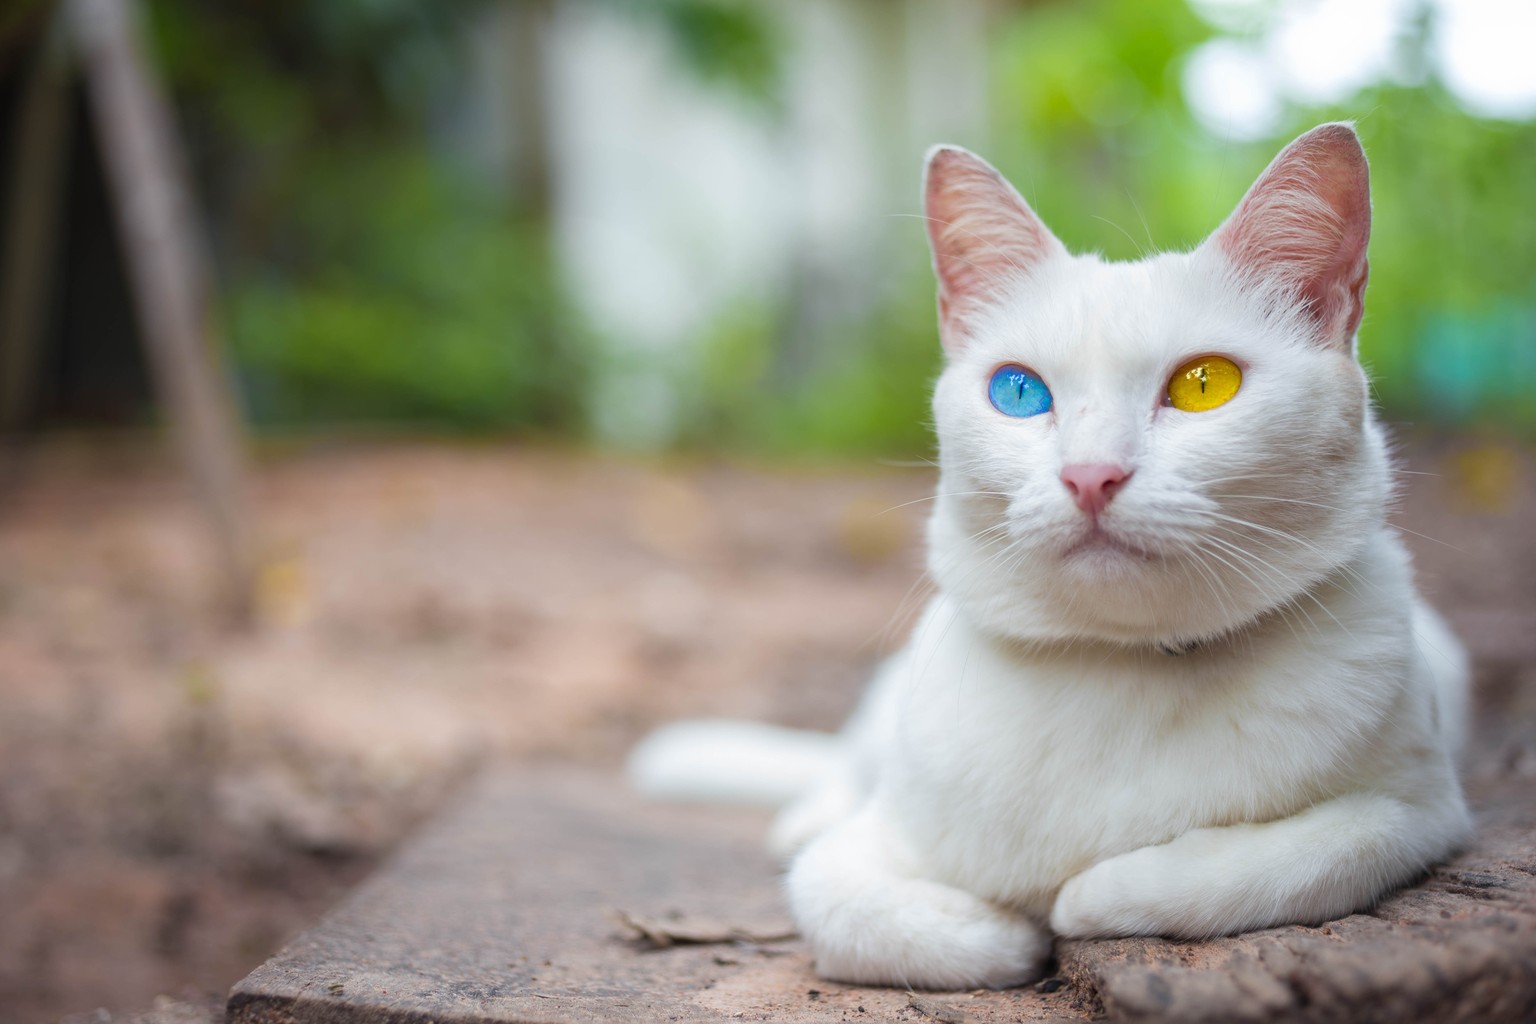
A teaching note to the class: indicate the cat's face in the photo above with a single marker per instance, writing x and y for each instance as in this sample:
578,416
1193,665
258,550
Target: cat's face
1077,498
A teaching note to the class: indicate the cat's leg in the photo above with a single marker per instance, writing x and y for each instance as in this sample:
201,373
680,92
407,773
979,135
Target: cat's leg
871,920
864,741
830,801
1333,858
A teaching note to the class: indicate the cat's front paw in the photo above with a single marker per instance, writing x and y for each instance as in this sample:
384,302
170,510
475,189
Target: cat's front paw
930,937
1115,897
868,921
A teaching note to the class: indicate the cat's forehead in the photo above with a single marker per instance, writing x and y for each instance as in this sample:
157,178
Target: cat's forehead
1086,315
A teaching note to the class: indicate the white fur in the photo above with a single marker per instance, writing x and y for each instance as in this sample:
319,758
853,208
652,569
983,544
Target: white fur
1033,761
728,761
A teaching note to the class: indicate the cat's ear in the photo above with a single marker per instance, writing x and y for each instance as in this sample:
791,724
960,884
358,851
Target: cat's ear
982,233
1305,224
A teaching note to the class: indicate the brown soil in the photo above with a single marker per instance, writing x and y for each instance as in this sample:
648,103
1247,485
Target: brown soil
177,799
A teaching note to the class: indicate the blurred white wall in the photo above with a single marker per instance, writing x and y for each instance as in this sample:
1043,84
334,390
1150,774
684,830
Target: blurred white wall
676,201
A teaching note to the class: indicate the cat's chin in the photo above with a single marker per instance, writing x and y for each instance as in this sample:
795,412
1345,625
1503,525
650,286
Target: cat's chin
1104,588
1098,549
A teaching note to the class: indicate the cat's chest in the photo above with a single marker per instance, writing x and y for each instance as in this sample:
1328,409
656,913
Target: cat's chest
1010,779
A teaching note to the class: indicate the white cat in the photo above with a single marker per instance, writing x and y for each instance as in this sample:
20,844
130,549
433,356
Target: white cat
1177,681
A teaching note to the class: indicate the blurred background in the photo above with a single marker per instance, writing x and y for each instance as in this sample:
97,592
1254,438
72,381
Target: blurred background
577,356
664,224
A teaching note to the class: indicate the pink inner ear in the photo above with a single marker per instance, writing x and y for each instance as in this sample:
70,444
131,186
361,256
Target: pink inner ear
983,234
1306,223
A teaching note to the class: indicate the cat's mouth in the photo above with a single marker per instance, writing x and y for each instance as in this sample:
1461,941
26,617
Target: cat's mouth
1097,541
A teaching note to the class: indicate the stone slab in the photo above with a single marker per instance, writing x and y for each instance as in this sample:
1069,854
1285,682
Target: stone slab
506,909
1460,945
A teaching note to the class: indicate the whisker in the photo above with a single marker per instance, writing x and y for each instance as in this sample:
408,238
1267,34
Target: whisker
943,494
1225,590
1243,556
1335,508
926,580
1140,252
1284,535
916,463
1343,573
1305,593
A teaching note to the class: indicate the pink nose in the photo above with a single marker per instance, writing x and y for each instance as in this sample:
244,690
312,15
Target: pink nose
1091,486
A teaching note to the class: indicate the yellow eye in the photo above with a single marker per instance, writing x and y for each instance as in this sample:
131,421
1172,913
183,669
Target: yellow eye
1204,383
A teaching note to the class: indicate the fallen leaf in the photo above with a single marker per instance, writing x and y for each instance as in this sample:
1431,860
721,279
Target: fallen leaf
695,932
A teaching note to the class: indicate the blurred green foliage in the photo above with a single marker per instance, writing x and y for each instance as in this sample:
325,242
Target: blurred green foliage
870,397
367,280
1094,127
1090,120
364,281
735,45
1450,322
428,307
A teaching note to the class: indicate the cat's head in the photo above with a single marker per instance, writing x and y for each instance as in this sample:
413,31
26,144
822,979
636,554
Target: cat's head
1086,492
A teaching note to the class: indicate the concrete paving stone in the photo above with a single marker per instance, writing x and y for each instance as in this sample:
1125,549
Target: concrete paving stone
508,909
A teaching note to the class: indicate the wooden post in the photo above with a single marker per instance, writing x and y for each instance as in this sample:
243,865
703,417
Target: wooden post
166,274
29,249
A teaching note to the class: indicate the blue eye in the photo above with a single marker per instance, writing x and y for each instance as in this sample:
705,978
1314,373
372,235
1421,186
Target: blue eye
1016,391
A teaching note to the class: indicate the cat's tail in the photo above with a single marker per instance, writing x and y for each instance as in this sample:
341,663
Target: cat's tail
722,761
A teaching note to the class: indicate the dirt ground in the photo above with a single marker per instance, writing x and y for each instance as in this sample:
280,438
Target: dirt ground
178,798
